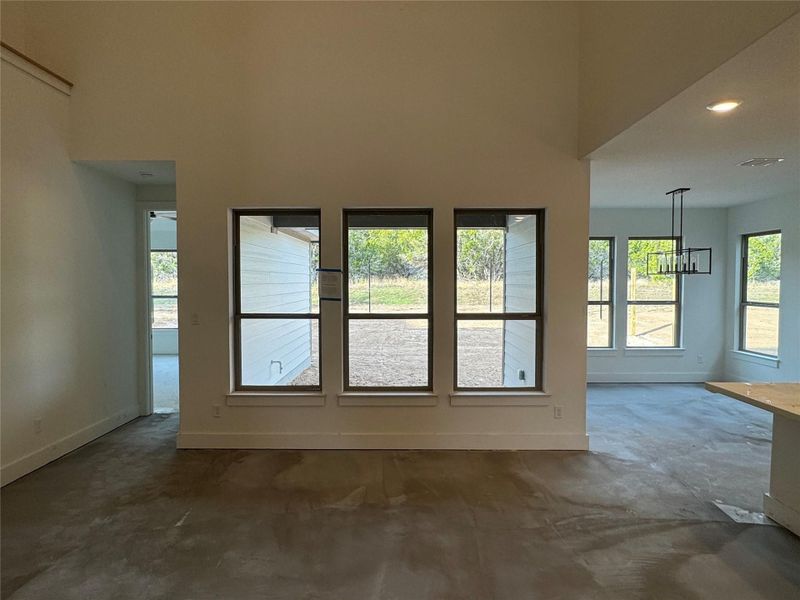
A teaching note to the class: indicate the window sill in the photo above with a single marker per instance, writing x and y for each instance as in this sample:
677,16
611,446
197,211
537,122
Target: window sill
758,359
500,399
275,399
388,399
602,351
655,351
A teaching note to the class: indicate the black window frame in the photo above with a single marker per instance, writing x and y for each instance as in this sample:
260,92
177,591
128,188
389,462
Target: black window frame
537,316
611,289
154,297
744,302
347,316
677,302
239,316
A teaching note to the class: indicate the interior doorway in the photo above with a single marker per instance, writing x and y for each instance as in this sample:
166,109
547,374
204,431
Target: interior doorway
163,277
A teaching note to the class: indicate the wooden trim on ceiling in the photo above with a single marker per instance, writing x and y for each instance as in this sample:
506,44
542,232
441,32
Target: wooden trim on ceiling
37,70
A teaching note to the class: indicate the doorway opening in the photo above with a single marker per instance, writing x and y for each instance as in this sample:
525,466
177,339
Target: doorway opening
163,276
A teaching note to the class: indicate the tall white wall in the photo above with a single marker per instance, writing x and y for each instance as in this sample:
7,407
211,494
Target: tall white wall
69,357
336,105
701,356
778,213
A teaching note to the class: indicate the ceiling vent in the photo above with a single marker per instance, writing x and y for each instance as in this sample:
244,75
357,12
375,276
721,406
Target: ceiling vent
760,162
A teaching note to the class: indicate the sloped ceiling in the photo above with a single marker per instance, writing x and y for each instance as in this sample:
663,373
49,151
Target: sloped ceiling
683,144
634,56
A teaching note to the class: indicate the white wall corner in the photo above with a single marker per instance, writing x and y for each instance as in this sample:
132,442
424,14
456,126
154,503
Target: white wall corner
39,458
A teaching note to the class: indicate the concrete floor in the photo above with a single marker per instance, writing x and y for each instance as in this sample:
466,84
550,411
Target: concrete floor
165,383
128,516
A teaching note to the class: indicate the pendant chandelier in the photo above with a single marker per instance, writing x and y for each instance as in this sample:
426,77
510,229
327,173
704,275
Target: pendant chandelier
679,260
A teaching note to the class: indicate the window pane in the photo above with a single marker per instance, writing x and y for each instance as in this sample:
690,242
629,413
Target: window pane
388,352
280,352
278,258
651,326
165,313
599,332
764,268
599,269
640,286
494,354
387,268
164,271
495,262
761,329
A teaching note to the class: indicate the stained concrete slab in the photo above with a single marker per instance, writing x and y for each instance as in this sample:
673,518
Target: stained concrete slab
128,516
165,383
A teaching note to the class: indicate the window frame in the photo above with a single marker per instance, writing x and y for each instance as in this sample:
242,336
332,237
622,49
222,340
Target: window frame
677,303
537,316
744,302
611,291
153,296
347,316
238,316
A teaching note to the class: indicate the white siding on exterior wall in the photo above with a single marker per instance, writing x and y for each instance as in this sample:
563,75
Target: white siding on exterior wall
519,337
274,278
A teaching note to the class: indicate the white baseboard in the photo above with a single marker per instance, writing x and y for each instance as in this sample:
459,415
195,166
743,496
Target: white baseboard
784,514
652,377
38,458
387,441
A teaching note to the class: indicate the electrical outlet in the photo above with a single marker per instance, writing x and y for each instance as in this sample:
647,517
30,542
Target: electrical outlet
217,409
195,319
700,359
37,425
556,412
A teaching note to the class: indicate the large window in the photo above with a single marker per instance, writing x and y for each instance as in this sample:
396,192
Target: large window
276,320
654,307
164,288
600,326
388,300
498,299
760,294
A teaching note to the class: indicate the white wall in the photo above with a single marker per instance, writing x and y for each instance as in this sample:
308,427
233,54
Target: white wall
778,213
68,285
335,105
703,298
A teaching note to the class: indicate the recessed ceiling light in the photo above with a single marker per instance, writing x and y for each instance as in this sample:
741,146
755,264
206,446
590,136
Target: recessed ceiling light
761,162
723,106
145,174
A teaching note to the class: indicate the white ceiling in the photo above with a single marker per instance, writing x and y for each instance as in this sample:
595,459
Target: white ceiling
681,144
162,171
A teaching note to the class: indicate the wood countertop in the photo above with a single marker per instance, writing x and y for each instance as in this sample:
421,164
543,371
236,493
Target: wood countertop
779,398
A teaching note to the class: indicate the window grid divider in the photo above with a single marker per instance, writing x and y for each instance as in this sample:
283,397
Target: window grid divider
347,316
239,316
536,316
744,303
